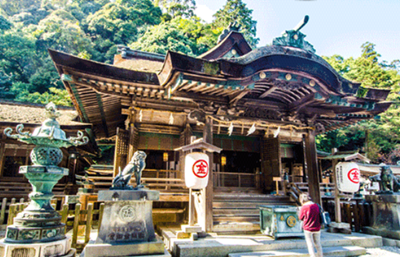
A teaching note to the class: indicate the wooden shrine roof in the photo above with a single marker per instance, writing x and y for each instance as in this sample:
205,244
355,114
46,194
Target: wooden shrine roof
279,82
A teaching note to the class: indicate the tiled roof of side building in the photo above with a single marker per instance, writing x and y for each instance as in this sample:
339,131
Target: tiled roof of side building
35,113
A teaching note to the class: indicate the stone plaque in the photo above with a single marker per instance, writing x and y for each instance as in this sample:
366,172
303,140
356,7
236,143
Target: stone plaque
53,250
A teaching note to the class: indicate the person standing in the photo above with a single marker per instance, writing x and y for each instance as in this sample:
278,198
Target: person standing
309,214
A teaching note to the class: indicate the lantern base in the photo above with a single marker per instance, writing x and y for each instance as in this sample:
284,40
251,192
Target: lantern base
385,213
61,248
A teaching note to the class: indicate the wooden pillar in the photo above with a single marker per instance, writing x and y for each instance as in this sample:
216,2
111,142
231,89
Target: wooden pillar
133,136
209,190
2,153
185,139
312,167
338,217
121,150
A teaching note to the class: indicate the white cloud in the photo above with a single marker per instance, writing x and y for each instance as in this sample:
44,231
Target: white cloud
204,13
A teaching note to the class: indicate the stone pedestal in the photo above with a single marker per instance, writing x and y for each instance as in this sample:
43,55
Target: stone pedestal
386,215
59,248
127,225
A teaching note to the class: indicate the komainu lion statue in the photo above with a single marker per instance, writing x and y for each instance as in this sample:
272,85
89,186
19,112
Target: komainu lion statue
136,166
388,183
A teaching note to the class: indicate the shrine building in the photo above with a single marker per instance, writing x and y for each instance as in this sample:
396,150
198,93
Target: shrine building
262,106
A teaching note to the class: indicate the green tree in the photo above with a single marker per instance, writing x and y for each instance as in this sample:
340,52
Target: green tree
237,11
120,22
188,36
12,7
55,95
379,137
177,8
163,37
60,30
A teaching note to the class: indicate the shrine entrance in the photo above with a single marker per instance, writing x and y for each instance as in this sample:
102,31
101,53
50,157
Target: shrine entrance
237,169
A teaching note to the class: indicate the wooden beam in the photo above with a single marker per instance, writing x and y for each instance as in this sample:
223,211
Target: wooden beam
312,167
299,104
103,117
214,89
80,104
236,98
2,151
188,86
268,92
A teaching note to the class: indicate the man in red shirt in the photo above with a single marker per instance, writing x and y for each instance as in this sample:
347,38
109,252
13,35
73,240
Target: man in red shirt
309,214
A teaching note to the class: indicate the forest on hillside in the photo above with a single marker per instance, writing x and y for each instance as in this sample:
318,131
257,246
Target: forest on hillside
93,29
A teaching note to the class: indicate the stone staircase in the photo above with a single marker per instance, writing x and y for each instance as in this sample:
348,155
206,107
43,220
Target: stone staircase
238,210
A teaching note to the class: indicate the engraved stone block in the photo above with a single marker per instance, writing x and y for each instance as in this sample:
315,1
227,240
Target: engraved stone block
59,248
53,250
23,252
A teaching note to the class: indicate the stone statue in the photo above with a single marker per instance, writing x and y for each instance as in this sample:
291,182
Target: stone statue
388,183
136,166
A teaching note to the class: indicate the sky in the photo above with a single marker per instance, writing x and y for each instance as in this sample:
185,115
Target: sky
335,26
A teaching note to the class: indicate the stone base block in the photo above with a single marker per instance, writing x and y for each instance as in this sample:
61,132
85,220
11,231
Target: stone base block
155,248
394,234
165,254
60,248
191,229
340,225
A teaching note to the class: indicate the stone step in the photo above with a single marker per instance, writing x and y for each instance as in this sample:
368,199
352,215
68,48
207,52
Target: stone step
328,251
221,246
244,205
229,227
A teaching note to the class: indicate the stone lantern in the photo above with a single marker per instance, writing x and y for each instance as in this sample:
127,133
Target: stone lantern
38,231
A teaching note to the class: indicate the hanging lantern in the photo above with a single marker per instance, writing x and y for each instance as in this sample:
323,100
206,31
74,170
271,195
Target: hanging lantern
348,177
196,170
165,156
223,160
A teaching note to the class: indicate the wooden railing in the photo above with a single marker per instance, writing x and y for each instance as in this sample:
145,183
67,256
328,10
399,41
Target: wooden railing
162,180
235,179
326,189
355,211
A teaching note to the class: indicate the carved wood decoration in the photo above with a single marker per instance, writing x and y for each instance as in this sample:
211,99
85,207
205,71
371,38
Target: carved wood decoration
262,113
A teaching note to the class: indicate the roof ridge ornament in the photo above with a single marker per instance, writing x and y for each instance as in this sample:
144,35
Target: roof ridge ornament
294,37
233,26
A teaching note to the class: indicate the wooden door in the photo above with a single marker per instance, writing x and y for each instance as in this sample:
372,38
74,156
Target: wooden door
270,162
